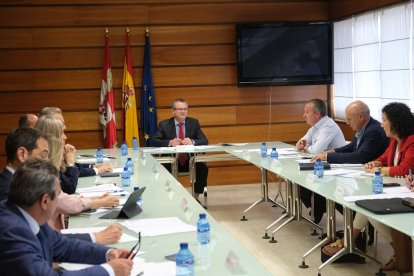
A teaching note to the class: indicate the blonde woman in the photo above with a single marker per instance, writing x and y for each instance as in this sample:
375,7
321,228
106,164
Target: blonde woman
52,129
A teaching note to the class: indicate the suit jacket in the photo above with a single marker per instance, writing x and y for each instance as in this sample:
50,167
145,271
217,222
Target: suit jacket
405,156
21,252
69,180
372,144
5,180
167,131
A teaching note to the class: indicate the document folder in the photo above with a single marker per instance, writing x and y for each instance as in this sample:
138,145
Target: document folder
384,206
309,166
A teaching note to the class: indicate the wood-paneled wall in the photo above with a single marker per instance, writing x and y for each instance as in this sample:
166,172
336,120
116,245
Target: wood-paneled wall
51,54
343,8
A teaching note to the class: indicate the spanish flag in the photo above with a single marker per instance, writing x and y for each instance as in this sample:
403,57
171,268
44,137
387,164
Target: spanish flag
129,104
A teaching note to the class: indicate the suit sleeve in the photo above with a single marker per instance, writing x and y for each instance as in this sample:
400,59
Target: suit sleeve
69,180
161,139
79,236
372,145
21,253
84,170
199,137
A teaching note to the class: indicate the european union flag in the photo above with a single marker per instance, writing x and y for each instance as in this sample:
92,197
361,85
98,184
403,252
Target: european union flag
148,109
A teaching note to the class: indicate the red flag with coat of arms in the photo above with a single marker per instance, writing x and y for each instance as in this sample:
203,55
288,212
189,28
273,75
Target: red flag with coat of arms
106,105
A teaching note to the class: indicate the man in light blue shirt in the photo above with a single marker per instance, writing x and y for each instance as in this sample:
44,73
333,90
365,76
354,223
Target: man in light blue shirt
324,133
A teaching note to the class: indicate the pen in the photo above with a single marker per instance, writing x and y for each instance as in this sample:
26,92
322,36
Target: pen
141,273
410,178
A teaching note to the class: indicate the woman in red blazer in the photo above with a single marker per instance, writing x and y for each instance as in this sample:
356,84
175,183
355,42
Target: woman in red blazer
398,124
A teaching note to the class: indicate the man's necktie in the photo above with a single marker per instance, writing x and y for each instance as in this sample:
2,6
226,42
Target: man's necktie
181,156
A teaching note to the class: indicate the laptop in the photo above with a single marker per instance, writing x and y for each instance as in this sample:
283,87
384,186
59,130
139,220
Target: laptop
129,209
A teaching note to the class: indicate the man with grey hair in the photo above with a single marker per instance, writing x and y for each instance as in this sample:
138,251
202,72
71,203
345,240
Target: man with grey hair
369,142
82,170
28,246
324,133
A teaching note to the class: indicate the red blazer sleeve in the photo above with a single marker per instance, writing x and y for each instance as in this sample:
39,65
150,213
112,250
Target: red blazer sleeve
405,157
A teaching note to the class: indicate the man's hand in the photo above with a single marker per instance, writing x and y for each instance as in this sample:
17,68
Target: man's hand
301,144
323,156
186,141
109,235
103,169
121,267
118,253
175,142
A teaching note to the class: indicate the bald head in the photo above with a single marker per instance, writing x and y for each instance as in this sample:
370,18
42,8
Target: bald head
27,120
357,115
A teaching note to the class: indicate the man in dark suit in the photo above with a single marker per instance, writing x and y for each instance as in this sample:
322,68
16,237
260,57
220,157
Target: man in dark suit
21,144
369,142
27,143
28,246
183,130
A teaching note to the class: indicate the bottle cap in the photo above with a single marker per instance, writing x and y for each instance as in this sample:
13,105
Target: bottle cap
202,215
377,173
183,245
129,158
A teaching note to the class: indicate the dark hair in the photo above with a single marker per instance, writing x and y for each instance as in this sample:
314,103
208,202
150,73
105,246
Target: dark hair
21,137
31,181
180,100
24,121
401,119
319,106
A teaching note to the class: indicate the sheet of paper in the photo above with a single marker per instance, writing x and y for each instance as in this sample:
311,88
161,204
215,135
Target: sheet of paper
396,190
117,170
101,189
124,238
166,268
347,165
158,226
89,160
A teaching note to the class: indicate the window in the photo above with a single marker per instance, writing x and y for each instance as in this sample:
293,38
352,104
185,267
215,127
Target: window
373,57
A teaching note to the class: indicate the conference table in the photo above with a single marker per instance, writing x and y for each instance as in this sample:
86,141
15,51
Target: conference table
334,189
165,197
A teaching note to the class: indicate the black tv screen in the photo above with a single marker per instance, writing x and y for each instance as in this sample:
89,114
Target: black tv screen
284,53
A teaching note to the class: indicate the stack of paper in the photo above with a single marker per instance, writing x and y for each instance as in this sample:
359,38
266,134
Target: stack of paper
101,189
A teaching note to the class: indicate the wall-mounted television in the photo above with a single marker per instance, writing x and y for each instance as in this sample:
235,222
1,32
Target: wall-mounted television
289,53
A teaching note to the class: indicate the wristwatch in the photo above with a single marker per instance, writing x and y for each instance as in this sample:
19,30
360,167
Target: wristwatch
379,169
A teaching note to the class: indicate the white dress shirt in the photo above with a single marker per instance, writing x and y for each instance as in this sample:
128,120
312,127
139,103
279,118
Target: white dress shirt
324,135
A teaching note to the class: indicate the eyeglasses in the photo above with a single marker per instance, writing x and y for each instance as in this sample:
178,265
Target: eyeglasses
134,250
180,109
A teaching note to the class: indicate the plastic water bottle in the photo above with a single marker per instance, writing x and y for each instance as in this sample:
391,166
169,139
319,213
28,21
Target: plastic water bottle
99,156
130,166
134,143
263,150
318,168
126,178
184,261
124,149
139,201
203,229
274,154
377,183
